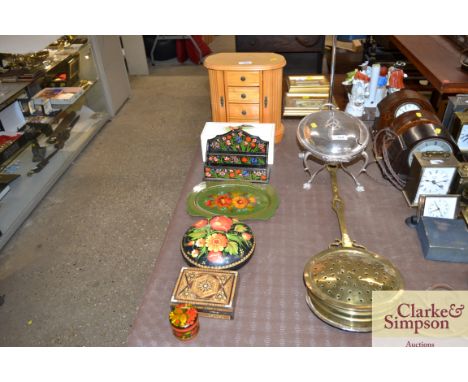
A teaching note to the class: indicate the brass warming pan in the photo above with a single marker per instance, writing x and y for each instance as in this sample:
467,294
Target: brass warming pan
340,279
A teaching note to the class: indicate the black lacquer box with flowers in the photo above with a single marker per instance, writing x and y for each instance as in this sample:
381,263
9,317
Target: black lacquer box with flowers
237,155
219,242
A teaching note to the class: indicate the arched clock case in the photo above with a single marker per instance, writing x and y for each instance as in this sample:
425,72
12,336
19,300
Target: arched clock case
398,103
418,137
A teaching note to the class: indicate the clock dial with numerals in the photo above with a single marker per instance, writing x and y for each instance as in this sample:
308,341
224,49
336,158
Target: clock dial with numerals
431,173
435,181
437,209
406,107
444,207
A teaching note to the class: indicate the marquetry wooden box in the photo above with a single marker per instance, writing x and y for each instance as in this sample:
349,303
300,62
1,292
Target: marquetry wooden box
246,87
212,292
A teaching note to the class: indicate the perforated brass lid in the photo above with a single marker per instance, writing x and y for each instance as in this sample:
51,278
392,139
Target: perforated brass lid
340,282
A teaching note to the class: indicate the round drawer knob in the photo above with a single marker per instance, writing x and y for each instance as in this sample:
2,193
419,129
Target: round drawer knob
242,78
243,95
244,112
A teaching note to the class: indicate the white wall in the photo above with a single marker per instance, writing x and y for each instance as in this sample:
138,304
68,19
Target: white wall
25,44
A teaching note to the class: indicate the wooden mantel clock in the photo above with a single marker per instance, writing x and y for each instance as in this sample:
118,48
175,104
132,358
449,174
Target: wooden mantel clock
246,87
400,102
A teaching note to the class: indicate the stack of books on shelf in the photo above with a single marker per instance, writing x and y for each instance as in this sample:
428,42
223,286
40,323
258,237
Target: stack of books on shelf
306,94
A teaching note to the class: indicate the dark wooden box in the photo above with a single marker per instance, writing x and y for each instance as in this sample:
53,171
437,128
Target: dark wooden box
303,54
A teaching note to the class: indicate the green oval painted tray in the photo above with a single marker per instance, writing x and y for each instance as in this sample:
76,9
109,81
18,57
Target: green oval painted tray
238,199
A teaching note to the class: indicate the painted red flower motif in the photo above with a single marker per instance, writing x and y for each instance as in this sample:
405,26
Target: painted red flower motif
246,236
200,223
192,315
221,223
232,175
248,139
215,257
223,201
244,160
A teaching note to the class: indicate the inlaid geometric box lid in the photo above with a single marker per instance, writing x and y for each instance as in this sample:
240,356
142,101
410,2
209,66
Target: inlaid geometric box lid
265,131
212,292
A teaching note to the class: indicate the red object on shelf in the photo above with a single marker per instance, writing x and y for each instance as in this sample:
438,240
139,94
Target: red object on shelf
4,139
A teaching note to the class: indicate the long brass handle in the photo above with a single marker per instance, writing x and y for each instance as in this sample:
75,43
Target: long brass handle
265,101
221,100
338,207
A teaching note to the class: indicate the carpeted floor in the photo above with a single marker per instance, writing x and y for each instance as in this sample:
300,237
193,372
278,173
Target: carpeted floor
74,274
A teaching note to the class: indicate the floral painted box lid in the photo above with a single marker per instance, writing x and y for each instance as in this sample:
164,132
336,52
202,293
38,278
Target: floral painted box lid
218,243
263,131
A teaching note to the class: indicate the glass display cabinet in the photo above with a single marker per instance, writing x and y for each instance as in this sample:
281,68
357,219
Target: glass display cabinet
46,121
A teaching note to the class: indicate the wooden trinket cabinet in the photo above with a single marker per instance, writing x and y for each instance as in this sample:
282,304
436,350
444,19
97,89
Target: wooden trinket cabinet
237,155
247,87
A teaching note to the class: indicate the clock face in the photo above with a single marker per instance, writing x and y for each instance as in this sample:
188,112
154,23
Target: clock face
435,181
440,207
462,140
406,107
432,144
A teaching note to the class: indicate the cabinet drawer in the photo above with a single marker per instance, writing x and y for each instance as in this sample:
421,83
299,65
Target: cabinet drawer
242,94
238,78
239,111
